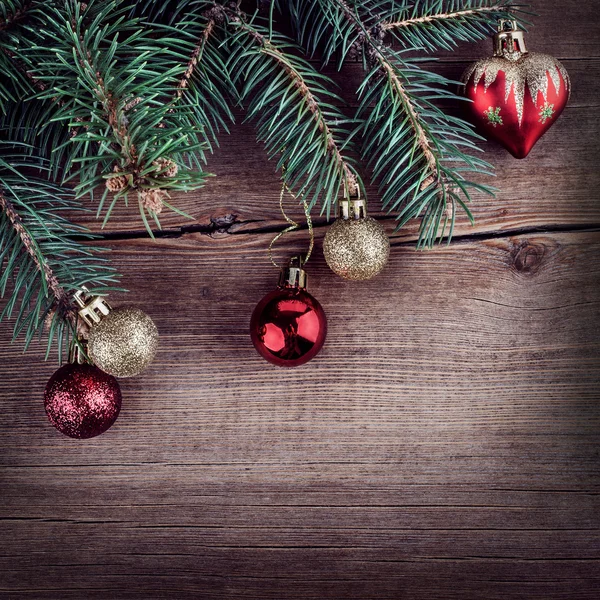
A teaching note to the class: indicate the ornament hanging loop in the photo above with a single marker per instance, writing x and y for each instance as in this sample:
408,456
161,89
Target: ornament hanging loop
292,227
509,41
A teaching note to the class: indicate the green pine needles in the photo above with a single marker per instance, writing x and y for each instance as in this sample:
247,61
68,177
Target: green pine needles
44,257
122,101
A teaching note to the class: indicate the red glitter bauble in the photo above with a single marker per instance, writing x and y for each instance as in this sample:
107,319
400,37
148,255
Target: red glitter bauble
516,95
288,327
82,401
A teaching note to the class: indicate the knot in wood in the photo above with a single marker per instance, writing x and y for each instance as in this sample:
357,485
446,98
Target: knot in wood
222,224
527,257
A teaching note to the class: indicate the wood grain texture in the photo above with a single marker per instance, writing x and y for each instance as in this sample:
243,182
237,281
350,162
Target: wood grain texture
444,444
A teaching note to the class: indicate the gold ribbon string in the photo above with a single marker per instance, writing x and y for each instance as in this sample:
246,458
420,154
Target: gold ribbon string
293,226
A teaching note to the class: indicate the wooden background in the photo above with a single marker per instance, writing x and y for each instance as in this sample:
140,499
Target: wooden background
444,444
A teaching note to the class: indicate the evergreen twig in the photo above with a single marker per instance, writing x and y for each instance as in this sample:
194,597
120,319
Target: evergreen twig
195,40
416,150
296,115
41,262
49,279
445,23
196,57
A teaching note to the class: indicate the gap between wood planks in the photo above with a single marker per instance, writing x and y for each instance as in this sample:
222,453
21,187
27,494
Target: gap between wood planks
228,225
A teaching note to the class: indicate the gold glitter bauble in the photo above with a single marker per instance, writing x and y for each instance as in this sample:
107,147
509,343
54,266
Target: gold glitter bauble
124,343
356,249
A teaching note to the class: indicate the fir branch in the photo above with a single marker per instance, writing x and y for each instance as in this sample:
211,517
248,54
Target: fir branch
94,60
112,106
41,263
413,147
421,136
32,248
303,138
423,141
122,110
196,42
268,48
196,57
459,14
444,23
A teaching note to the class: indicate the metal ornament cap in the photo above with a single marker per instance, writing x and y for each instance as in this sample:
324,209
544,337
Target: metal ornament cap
293,276
356,246
92,309
509,41
124,343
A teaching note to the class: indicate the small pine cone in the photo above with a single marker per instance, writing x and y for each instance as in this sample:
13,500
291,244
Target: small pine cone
356,49
378,32
153,199
166,167
216,14
116,183
353,188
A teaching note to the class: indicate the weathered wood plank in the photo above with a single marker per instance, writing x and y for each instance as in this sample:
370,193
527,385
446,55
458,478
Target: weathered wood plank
443,445
396,579
445,442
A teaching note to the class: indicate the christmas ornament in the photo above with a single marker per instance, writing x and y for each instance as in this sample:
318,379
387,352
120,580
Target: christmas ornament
82,401
122,341
516,95
288,326
356,246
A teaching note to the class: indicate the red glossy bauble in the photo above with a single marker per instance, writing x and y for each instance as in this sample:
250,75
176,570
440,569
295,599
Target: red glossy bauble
516,95
288,327
82,401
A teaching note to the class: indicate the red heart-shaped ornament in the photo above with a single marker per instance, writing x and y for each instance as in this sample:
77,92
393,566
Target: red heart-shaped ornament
516,95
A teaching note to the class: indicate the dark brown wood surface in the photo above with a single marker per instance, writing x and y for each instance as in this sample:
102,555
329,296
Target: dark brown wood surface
444,445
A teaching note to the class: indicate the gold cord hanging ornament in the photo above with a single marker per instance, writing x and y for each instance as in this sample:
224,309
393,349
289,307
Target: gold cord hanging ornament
292,227
288,326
